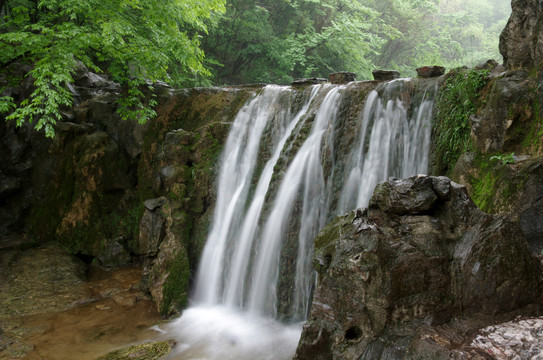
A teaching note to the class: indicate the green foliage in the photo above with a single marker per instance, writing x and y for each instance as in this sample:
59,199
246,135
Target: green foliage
275,41
135,41
456,103
448,33
503,158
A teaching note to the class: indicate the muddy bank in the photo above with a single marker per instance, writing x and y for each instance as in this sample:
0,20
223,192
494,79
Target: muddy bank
56,307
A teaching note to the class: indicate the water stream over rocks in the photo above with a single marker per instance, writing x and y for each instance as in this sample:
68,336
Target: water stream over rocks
292,161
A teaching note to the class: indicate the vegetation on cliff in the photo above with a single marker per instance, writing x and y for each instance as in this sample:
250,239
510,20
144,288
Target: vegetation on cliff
136,42
457,102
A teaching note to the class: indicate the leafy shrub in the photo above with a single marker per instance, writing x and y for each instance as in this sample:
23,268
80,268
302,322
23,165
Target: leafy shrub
456,103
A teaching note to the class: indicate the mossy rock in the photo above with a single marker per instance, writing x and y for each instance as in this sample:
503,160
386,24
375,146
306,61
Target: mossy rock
506,187
147,351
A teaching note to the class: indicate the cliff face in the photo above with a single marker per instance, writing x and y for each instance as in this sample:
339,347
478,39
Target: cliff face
502,173
521,43
87,188
414,274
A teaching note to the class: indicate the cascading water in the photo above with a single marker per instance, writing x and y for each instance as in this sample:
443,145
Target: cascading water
392,142
277,187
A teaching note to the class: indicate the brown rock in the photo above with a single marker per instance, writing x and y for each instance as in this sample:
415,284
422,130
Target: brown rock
393,276
430,71
383,75
521,42
342,77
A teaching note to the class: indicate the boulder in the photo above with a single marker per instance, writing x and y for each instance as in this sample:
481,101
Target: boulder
152,227
384,75
342,77
521,42
518,339
392,275
430,71
512,187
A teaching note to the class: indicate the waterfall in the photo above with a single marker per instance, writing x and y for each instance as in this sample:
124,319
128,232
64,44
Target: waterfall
282,178
391,143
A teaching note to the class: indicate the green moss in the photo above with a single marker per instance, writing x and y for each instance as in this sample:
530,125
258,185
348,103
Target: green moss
535,133
147,351
484,191
325,242
175,288
495,183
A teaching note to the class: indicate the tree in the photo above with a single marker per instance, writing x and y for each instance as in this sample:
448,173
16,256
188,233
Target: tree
137,42
450,33
278,40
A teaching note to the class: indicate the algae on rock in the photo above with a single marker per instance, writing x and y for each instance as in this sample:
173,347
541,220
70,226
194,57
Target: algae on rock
145,351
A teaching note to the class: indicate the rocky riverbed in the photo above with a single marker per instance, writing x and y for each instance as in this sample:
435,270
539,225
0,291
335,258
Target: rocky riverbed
54,306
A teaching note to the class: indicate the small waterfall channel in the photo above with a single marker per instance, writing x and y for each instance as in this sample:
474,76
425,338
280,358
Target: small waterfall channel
293,160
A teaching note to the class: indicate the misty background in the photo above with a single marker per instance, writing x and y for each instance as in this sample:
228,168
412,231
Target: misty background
277,41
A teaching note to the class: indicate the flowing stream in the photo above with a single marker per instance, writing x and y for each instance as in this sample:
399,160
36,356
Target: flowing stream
284,174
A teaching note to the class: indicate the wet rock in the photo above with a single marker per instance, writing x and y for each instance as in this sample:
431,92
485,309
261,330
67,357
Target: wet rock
519,339
406,268
152,204
309,81
44,279
415,195
100,177
88,84
502,123
514,188
430,71
114,254
342,77
490,65
166,263
384,75
8,185
152,227
442,187
521,42
74,129
15,177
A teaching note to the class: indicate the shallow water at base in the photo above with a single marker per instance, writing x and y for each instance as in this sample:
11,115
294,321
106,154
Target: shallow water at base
211,333
110,312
